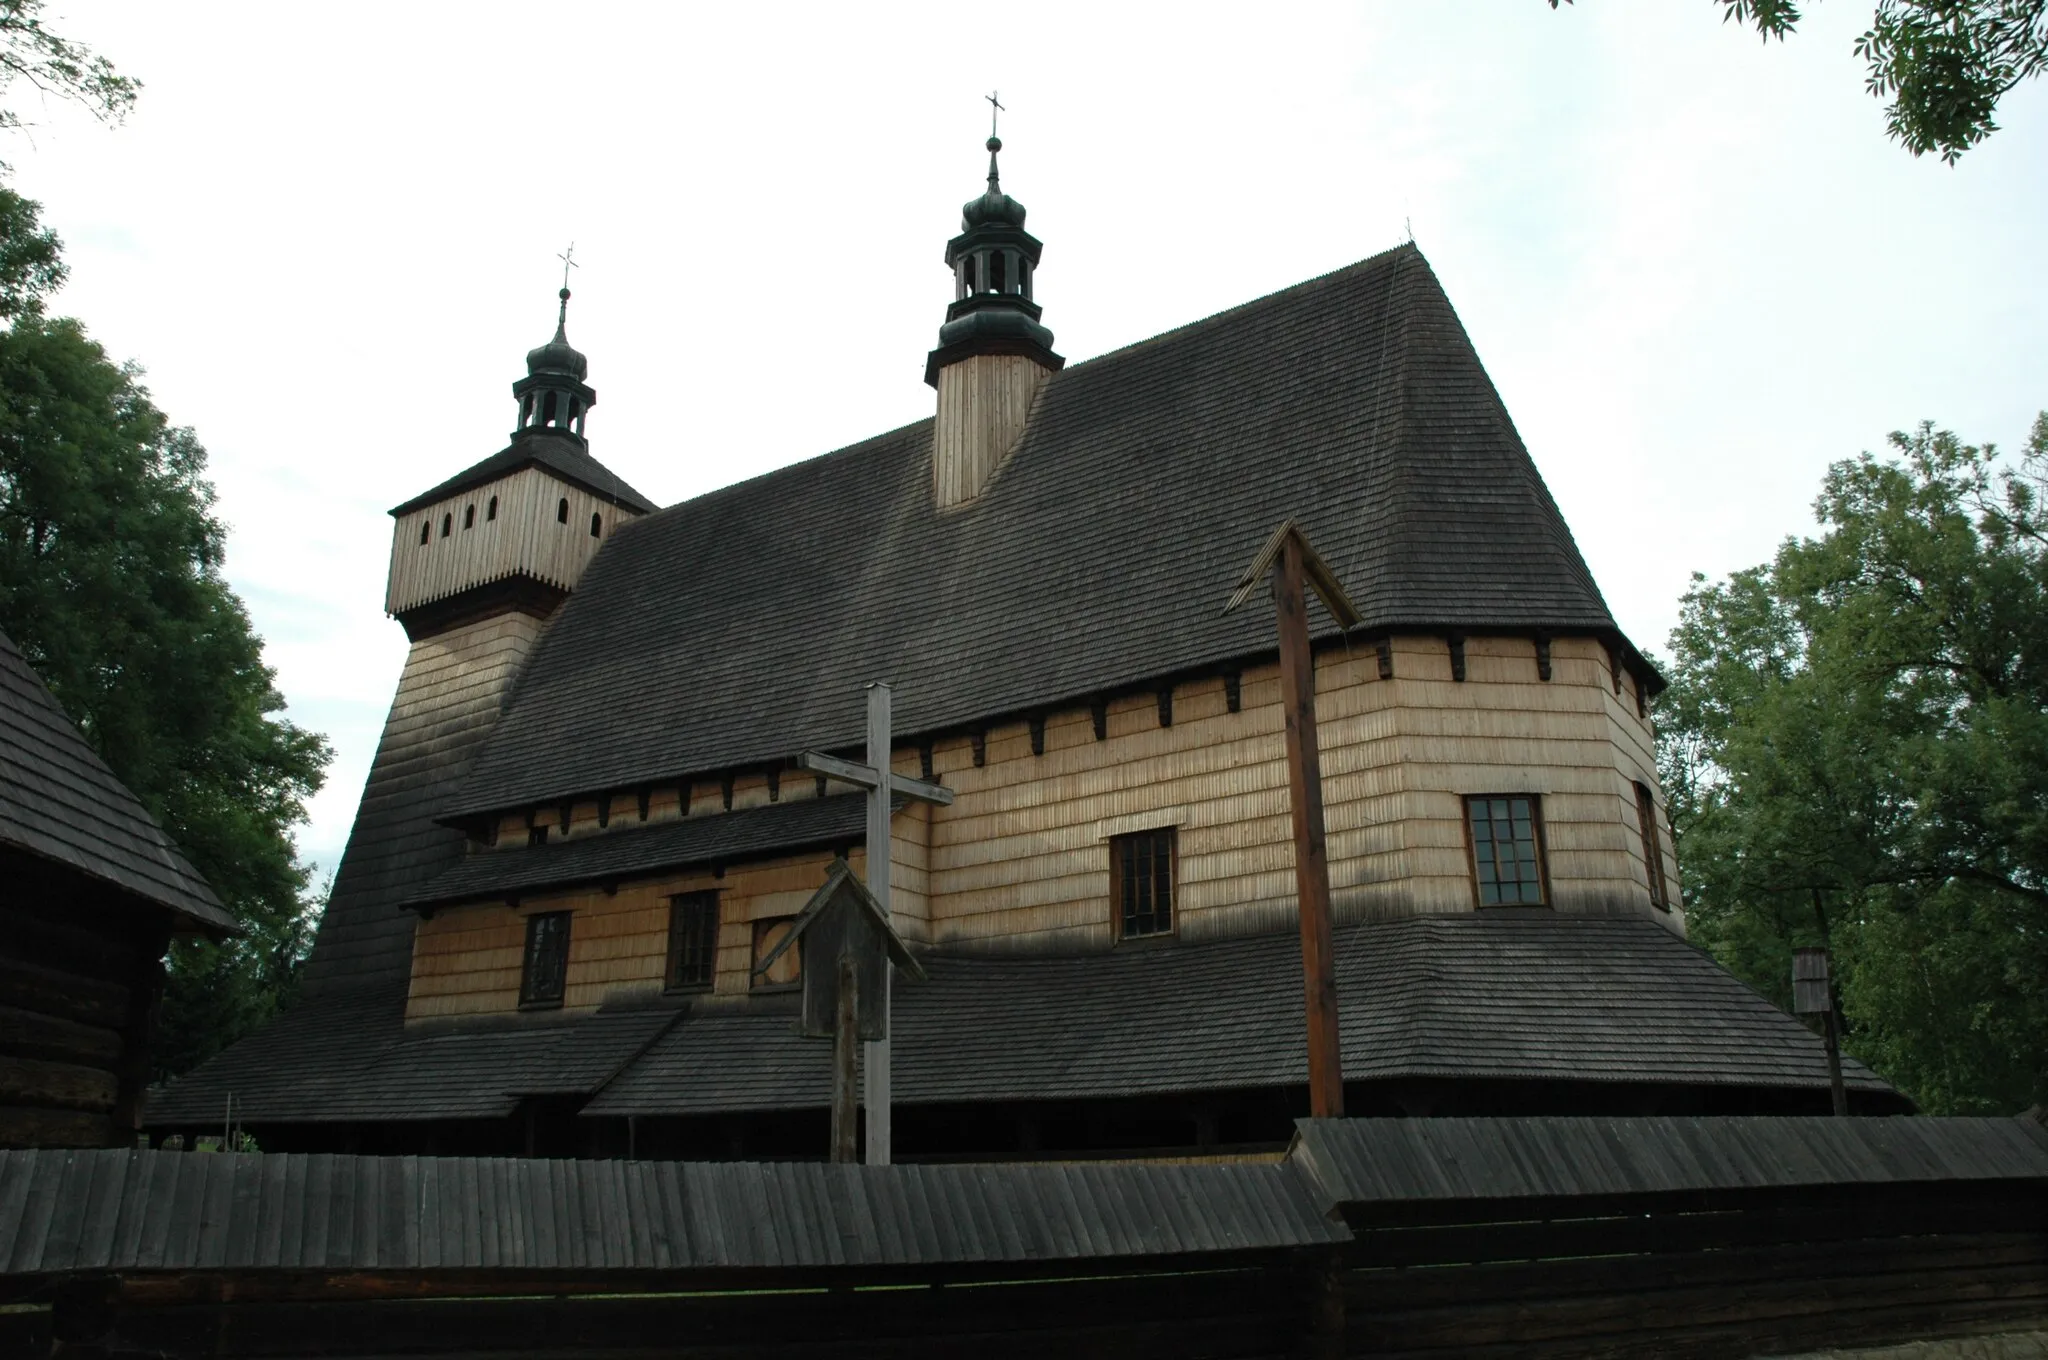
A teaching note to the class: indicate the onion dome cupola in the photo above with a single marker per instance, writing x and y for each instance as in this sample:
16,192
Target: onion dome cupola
994,261
552,395
512,533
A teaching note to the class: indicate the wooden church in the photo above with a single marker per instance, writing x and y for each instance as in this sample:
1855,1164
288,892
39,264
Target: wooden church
558,926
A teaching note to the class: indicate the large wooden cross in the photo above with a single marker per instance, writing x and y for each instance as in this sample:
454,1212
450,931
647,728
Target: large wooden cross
1290,559
883,786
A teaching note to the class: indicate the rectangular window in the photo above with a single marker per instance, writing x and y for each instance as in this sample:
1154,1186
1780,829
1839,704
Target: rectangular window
546,971
692,941
1141,883
1653,849
1507,849
788,970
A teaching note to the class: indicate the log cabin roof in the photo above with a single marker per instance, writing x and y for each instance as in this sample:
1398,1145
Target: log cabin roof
1519,995
565,455
738,627
60,803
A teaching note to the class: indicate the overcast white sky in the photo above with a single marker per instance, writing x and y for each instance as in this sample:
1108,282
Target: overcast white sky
1693,264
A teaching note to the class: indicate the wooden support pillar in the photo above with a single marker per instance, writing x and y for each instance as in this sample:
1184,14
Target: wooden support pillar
1311,859
845,1079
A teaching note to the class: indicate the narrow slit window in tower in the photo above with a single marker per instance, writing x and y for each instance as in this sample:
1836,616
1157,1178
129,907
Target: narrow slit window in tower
526,411
491,510
426,529
547,410
967,273
469,516
562,511
447,523
596,524
999,280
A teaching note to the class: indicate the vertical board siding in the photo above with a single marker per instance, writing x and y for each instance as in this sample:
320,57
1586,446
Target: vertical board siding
984,401
1020,859
526,538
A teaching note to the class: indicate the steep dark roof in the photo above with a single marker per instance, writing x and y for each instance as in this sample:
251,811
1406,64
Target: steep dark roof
60,802
564,455
1509,995
751,832
1098,558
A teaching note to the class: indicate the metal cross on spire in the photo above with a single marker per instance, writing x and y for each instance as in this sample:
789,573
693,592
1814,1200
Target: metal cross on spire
568,259
996,108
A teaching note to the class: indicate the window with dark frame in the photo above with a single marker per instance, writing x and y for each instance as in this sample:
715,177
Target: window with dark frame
546,971
1141,867
1653,848
789,969
1506,836
692,941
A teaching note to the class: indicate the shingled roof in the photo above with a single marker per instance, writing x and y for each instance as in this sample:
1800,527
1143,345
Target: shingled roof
564,455
60,802
1512,995
1098,558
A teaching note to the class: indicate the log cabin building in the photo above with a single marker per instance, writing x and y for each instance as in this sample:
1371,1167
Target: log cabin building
91,892
584,827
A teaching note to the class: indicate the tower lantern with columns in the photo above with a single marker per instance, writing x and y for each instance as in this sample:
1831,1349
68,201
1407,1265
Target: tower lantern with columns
993,353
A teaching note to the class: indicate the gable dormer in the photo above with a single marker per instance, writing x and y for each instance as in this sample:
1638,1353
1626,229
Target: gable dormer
513,532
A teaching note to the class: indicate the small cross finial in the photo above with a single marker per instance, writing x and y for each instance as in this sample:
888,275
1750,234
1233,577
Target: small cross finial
568,259
995,108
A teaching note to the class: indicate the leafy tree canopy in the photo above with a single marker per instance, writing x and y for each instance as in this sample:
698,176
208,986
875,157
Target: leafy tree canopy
110,582
1855,744
1943,64
56,68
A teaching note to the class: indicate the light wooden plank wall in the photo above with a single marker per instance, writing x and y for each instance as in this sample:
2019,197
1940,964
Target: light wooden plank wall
1020,860
466,960
984,402
526,537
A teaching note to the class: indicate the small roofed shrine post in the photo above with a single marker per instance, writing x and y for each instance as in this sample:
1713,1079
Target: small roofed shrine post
1294,565
883,786
1813,994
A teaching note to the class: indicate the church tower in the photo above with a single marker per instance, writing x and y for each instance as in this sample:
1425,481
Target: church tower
513,532
993,353
478,566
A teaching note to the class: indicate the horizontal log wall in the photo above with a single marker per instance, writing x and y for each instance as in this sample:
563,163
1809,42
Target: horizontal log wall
1020,860
526,538
76,989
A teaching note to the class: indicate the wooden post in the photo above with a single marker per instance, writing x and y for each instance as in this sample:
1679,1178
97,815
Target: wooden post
845,1080
881,739
1311,860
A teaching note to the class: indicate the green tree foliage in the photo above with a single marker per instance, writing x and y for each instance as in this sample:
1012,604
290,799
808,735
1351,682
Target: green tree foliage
110,582
1855,744
1943,64
56,68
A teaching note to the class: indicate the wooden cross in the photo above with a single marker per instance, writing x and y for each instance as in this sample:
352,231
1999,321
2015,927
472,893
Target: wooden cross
568,259
1290,559
993,112
883,785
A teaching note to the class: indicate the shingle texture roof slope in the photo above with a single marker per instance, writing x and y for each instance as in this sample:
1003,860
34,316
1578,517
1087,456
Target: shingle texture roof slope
1512,995
752,832
60,802
348,1057
1098,557
564,455
1505,994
